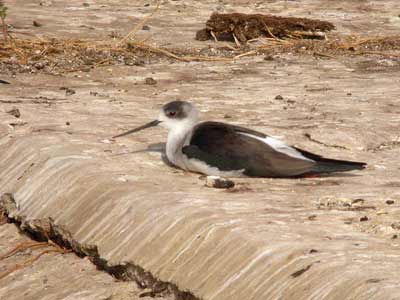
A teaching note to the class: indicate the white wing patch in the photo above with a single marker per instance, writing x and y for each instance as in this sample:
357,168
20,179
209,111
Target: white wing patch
279,146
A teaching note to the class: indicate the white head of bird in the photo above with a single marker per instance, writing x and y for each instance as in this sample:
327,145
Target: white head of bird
179,117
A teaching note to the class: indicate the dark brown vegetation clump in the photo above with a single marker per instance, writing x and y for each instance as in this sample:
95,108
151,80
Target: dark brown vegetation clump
245,27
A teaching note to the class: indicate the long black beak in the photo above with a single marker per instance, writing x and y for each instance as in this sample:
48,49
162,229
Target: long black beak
151,124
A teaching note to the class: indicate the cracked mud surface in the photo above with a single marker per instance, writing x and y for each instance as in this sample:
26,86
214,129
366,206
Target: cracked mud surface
318,238
49,238
54,275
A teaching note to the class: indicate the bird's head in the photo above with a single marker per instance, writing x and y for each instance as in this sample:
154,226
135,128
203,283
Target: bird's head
175,115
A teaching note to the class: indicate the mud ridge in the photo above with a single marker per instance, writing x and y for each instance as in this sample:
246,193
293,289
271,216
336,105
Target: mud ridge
46,229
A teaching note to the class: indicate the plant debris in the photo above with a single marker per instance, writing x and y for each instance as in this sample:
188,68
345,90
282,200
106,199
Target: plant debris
346,204
241,28
57,56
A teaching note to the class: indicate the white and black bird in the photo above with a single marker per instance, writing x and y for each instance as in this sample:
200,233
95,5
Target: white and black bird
215,148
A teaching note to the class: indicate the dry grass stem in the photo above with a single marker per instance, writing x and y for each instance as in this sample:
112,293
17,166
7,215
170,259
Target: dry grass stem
139,25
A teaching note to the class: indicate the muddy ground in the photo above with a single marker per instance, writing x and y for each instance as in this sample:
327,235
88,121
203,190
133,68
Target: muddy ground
35,271
341,103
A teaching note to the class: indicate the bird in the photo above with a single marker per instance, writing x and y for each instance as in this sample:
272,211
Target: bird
226,150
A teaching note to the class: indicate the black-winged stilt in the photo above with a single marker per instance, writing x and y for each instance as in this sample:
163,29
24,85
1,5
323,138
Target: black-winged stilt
215,148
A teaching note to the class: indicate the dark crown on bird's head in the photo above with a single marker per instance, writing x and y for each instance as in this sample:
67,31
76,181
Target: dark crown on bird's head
177,109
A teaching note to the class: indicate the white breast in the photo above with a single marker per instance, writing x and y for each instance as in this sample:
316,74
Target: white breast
178,137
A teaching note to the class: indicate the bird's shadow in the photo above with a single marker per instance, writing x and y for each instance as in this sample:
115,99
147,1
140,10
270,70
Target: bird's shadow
156,147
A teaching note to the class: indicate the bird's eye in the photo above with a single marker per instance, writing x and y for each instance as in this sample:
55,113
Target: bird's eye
171,113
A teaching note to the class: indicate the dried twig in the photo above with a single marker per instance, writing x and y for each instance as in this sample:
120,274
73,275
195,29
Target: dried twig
237,42
254,52
214,36
323,54
167,53
310,35
207,58
156,50
273,36
139,25
22,247
31,245
26,263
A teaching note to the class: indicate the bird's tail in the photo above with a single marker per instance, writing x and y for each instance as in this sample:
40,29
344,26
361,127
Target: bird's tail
327,165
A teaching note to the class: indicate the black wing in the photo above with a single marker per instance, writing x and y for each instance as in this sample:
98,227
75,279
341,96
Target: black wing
223,146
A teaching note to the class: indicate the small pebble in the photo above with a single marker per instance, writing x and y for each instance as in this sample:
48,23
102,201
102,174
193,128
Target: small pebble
312,217
146,27
67,123
46,3
396,225
389,202
36,24
68,91
364,218
219,182
150,81
278,97
106,141
268,57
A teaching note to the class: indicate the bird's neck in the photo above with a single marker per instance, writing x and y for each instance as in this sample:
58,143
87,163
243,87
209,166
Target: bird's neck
178,137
